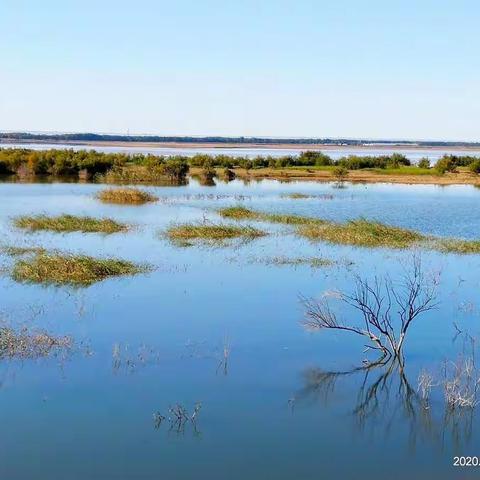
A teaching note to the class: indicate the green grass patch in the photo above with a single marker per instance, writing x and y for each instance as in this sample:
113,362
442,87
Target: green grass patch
67,269
456,245
362,233
126,196
406,170
69,223
238,213
211,233
241,213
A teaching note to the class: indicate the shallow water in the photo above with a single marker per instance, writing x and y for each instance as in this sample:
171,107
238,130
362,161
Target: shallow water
286,406
414,154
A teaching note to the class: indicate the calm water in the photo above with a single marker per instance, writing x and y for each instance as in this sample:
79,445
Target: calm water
414,154
288,405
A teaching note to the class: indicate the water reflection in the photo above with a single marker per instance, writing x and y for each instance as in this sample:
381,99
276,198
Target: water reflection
386,401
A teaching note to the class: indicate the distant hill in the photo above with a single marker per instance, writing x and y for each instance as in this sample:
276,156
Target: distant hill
95,137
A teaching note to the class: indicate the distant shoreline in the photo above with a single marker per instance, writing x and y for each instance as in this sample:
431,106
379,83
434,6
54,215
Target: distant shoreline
4,143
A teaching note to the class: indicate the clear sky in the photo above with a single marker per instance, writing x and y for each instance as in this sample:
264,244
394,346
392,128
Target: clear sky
340,68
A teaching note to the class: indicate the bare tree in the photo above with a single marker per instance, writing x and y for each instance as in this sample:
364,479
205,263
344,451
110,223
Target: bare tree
387,309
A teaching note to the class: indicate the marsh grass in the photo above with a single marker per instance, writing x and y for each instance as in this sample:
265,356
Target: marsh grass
68,269
186,234
361,232
126,196
238,213
20,251
456,245
69,223
30,345
241,213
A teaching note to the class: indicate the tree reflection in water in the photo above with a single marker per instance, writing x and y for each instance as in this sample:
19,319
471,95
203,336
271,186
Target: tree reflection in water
386,401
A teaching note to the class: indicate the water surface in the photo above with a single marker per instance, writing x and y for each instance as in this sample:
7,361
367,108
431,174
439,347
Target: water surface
288,405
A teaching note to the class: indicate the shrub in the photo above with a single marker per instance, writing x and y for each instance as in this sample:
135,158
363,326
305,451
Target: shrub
424,163
311,158
340,173
176,169
445,164
475,166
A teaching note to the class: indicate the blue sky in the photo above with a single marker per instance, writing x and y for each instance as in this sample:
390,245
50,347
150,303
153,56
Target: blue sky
376,69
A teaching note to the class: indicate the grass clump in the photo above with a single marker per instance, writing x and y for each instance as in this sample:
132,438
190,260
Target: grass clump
27,345
69,223
20,251
362,233
456,245
240,213
67,269
211,233
132,196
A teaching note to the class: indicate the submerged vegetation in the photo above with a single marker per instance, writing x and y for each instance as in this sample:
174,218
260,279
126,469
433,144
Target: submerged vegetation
126,196
69,269
23,344
69,223
210,233
19,251
296,196
280,261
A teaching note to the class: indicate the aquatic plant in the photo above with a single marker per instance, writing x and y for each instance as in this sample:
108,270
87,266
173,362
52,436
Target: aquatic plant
296,196
69,223
461,383
26,344
215,233
361,232
387,309
19,251
126,196
240,213
69,269
179,417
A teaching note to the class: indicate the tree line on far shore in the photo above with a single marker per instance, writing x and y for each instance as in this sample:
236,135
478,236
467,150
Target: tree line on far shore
65,162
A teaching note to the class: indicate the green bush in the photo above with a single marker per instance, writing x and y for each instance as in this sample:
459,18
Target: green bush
445,164
475,166
424,163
